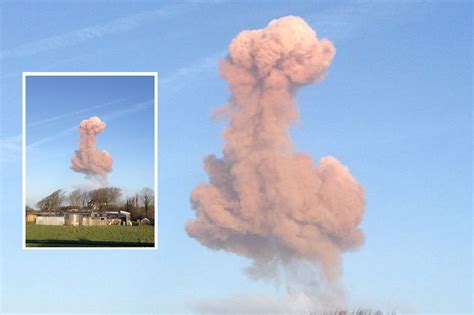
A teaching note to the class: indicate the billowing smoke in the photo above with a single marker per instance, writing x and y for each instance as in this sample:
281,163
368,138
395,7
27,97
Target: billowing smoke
264,201
94,163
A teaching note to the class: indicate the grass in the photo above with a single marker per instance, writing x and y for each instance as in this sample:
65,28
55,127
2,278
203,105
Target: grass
113,233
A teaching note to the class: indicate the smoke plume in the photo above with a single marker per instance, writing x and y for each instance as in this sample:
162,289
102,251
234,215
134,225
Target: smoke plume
88,159
264,201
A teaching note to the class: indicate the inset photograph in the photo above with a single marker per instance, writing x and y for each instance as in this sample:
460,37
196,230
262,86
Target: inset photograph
90,143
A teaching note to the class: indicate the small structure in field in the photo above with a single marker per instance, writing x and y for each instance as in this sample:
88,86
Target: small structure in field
128,220
50,218
95,219
30,218
73,218
144,221
118,218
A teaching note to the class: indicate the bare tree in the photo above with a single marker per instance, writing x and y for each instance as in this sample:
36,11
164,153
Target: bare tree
28,209
53,201
128,206
132,205
148,197
84,198
105,197
74,198
136,198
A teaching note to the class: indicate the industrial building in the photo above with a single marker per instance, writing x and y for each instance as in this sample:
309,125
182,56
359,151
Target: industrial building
81,218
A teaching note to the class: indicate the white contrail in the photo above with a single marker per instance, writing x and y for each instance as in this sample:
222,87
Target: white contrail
91,32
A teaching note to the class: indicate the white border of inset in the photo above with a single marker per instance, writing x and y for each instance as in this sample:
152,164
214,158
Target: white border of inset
23,212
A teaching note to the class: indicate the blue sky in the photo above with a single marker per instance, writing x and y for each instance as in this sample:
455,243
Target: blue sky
395,108
55,107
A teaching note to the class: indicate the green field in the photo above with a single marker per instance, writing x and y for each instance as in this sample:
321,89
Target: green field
114,235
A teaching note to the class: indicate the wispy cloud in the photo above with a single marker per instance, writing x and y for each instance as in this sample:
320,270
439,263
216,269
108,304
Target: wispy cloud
10,149
129,110
180,78
72,114
256,304
43,67
57,135
291,303
92,32
346,19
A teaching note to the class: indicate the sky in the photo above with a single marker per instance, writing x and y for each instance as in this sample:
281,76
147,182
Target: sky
395,107
55,107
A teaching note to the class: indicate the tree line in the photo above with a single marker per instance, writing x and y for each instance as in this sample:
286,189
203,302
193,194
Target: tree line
141,205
